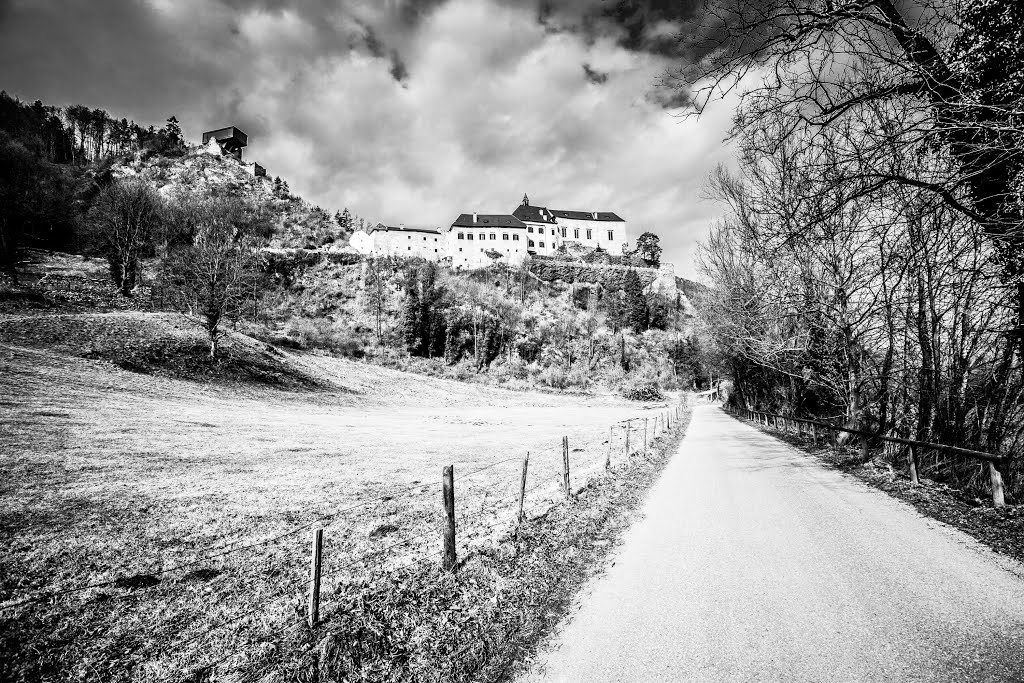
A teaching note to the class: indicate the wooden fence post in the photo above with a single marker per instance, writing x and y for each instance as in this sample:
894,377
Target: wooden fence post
629,424
914,479
565,466
645,437
608,457
997,486
448,502
313,613
522,490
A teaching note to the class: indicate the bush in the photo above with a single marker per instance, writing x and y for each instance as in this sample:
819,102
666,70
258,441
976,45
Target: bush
643,390
553,377
305,333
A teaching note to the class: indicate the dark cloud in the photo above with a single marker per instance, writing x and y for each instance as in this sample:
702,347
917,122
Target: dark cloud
398,70
671,98
403,111
593,75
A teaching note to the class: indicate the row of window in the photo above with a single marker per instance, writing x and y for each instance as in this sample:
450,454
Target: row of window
575,233
424,239
504,236
515,237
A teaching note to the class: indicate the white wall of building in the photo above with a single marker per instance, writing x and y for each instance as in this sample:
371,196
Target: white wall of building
428,245
467,247
609,235
542,238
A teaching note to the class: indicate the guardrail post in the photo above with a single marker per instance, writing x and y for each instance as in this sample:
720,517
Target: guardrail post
522,491
313,612
645,437
608,458
912,452
565,466
448,503
998,499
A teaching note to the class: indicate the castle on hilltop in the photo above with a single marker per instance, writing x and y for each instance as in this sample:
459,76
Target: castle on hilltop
475,240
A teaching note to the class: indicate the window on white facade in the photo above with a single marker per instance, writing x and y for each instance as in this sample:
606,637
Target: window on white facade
588,235
531,243
515,238
529,228
564,233
504,235
493,236
541,245
461,236
575,234
611,235
469,236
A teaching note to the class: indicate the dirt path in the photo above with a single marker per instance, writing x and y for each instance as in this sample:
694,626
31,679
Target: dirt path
754,563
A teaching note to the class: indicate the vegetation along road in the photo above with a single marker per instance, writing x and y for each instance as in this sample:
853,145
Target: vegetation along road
755,563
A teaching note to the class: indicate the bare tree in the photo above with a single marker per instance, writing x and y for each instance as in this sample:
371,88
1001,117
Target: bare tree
124,218
213,269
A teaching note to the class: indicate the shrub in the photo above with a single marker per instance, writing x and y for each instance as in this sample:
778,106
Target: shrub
554,377
643,390
305,333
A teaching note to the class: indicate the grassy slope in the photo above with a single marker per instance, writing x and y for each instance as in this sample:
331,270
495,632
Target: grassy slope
110,473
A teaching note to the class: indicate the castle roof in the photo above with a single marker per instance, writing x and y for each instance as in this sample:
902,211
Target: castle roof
380,227
585,215
534,214
487,220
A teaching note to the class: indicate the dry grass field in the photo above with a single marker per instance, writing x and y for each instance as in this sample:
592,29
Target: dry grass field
206,493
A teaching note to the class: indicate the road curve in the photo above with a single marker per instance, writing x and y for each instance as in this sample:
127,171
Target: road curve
754,563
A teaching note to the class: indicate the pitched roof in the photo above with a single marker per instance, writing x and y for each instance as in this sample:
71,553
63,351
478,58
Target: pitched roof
534,214
585,215
380,227
487,220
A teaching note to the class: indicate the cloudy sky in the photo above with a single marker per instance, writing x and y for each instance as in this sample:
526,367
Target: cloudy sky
405,111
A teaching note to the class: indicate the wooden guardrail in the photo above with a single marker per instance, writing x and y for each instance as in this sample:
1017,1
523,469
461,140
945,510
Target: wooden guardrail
915,447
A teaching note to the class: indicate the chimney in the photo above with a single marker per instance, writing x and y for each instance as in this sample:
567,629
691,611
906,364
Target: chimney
474,216
401,226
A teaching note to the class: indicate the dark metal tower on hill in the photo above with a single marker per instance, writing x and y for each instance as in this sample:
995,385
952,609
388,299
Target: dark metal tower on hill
230,139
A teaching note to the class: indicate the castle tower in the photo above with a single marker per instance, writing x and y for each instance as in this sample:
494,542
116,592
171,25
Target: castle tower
526,200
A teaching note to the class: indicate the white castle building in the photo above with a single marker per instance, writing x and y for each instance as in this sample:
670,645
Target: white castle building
476,240
556,226
385,240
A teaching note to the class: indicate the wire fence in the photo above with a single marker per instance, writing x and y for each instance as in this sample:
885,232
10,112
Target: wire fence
489,502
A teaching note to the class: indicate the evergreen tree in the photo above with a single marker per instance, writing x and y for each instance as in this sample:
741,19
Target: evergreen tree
412,322
344,220
647,245
636,312
451,340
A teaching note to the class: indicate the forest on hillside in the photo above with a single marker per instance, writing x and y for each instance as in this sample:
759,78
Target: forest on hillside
870,268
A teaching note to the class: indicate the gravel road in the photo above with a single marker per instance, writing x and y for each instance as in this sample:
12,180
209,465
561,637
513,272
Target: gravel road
754,563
